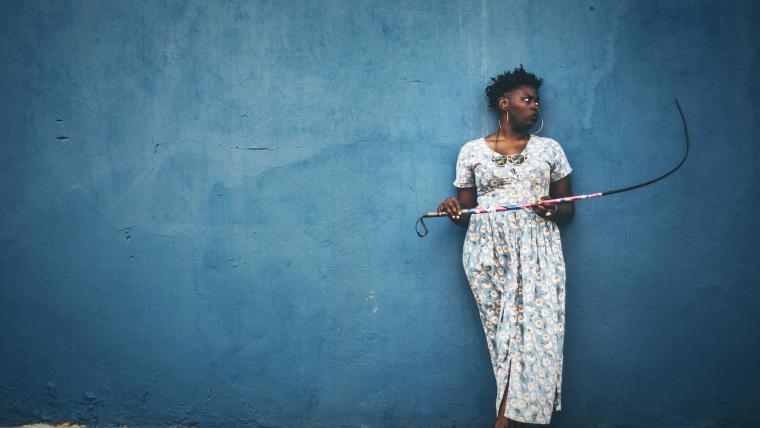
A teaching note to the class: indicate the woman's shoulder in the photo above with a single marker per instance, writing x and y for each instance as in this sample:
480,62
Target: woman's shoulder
546,143
472,145
544,140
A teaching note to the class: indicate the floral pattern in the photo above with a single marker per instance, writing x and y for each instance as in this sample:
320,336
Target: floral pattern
514,264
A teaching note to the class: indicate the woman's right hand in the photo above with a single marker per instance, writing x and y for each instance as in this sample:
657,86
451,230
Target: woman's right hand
451,207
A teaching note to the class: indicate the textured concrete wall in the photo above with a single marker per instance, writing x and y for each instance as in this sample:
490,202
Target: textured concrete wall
207,209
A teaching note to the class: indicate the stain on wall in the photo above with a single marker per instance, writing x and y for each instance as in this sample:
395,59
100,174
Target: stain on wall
208,210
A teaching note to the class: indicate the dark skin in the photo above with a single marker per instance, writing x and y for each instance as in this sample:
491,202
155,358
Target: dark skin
518,112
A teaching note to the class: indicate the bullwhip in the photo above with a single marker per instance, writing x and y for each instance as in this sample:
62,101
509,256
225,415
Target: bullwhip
422,230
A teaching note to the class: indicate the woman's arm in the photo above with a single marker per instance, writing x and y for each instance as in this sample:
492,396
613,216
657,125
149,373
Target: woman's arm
564,211
466,198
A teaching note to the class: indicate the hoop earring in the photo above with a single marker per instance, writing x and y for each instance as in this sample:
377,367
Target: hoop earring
539,128
500,128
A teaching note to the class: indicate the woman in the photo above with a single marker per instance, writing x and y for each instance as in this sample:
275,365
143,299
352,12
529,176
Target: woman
513,260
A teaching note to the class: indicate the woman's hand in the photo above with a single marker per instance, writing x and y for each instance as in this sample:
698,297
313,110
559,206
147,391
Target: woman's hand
546,211
466,198
558,213
451,207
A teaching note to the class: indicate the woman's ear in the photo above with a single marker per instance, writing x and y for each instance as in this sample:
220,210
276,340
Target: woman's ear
503,103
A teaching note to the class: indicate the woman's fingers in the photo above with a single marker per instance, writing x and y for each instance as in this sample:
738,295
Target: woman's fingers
541,209
444,206
452,207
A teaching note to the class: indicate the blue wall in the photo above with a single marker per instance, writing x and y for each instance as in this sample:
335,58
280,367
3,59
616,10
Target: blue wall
207,209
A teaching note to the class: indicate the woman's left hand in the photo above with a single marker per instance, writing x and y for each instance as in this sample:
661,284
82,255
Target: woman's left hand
546,211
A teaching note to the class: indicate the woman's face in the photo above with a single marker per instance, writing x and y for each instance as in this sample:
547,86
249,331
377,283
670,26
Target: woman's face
522,105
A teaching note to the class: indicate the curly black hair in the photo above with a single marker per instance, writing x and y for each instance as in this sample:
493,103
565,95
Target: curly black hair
505,82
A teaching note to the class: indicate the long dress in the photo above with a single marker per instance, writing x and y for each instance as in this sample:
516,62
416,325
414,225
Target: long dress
514,264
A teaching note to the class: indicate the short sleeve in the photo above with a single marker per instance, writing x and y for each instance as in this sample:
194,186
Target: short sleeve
465,175
560,167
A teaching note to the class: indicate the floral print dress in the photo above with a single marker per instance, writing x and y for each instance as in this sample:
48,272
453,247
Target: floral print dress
514,264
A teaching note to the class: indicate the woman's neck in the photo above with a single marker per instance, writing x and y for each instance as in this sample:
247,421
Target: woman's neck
506,133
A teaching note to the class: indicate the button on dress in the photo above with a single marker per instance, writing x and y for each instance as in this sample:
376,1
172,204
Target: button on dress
514,264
